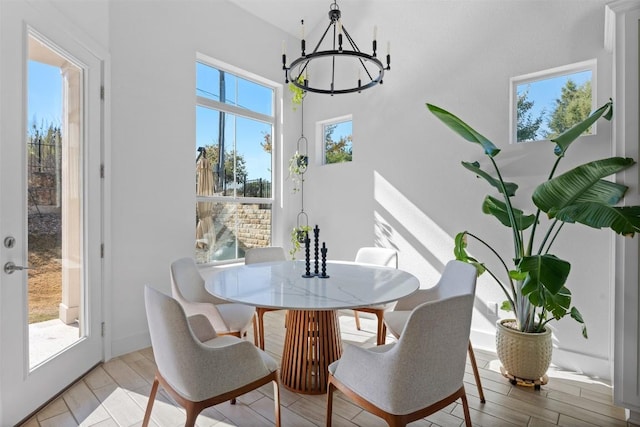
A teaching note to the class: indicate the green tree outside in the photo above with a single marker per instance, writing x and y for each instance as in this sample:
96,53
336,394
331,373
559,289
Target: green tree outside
573,106
229,156
337,151
528,127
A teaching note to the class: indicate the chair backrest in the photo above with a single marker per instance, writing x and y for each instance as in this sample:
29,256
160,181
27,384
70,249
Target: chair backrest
270,253
384,257
457,278
430,354
174,346
187,284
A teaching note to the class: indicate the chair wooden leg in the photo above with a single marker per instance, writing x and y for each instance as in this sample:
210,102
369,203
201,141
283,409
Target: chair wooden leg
476,373
192,415
152,398
276,402
255,331
330,388
355,314
260,313
465,410
382,329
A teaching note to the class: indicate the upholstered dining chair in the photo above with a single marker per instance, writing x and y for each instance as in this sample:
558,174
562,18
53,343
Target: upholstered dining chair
187,287
266,254
199,372
416,376
384,257
457,278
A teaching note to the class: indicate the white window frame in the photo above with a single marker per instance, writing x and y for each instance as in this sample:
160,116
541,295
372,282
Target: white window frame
241,112
588,65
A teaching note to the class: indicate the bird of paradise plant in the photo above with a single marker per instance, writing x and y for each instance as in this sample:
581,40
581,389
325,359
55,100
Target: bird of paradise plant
535,283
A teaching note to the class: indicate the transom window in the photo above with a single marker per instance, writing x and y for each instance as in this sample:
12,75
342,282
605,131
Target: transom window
233,165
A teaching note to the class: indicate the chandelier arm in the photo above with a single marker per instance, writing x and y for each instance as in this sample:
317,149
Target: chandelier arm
352,42
302,70
355,48
365,69
322,38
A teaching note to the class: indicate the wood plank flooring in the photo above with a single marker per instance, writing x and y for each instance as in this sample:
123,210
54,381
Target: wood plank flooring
116,392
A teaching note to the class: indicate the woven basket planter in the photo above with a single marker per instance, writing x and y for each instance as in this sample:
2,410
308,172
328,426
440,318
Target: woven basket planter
524,355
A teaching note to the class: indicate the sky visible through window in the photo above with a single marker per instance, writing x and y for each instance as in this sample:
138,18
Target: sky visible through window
248,134
45,95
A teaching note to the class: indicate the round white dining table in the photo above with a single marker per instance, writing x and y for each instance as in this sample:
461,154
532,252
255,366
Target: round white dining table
312,339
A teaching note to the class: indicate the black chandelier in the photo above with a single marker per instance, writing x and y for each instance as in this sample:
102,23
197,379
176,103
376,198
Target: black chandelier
363,66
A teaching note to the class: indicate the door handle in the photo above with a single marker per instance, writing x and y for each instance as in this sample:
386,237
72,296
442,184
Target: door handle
10,267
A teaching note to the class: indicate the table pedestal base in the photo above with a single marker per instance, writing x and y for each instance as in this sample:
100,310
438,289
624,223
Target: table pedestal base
312,342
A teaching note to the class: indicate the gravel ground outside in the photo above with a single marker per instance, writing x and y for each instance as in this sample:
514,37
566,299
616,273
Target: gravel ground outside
45,275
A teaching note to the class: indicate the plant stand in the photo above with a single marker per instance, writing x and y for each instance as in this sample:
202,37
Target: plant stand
524,382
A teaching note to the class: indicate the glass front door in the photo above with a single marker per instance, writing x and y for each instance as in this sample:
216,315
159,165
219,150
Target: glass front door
51,210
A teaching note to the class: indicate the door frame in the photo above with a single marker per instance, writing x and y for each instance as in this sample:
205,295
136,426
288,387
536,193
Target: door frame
622,28
17,19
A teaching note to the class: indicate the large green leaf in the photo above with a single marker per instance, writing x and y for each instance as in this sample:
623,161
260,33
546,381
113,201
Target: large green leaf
623,220
575,315
580,182
557,304
545,271
564,140
460,252
463,129
605,192
498,208
474,167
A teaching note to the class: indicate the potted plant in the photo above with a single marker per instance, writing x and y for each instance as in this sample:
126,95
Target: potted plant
297,167
298,235
534,278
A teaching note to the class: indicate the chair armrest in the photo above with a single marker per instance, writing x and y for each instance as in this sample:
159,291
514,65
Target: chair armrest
206,309
357,366
226,363
201,327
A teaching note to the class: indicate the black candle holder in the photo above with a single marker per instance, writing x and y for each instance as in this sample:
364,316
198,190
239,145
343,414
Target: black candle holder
324,274
316,235
307,258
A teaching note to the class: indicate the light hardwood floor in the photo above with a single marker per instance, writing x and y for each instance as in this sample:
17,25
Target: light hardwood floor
115,394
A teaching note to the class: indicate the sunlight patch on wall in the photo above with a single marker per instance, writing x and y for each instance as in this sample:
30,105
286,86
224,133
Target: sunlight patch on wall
425,248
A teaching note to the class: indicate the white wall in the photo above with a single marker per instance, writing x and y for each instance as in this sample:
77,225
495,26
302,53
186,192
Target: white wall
153,47
406,188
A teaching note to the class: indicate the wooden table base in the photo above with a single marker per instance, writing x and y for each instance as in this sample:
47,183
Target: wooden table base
312,342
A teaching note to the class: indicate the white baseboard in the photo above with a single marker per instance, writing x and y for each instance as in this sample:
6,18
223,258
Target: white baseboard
633,417
130,344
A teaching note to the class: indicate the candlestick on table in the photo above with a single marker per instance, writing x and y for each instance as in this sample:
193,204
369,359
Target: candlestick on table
324,274
316,235
307,256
